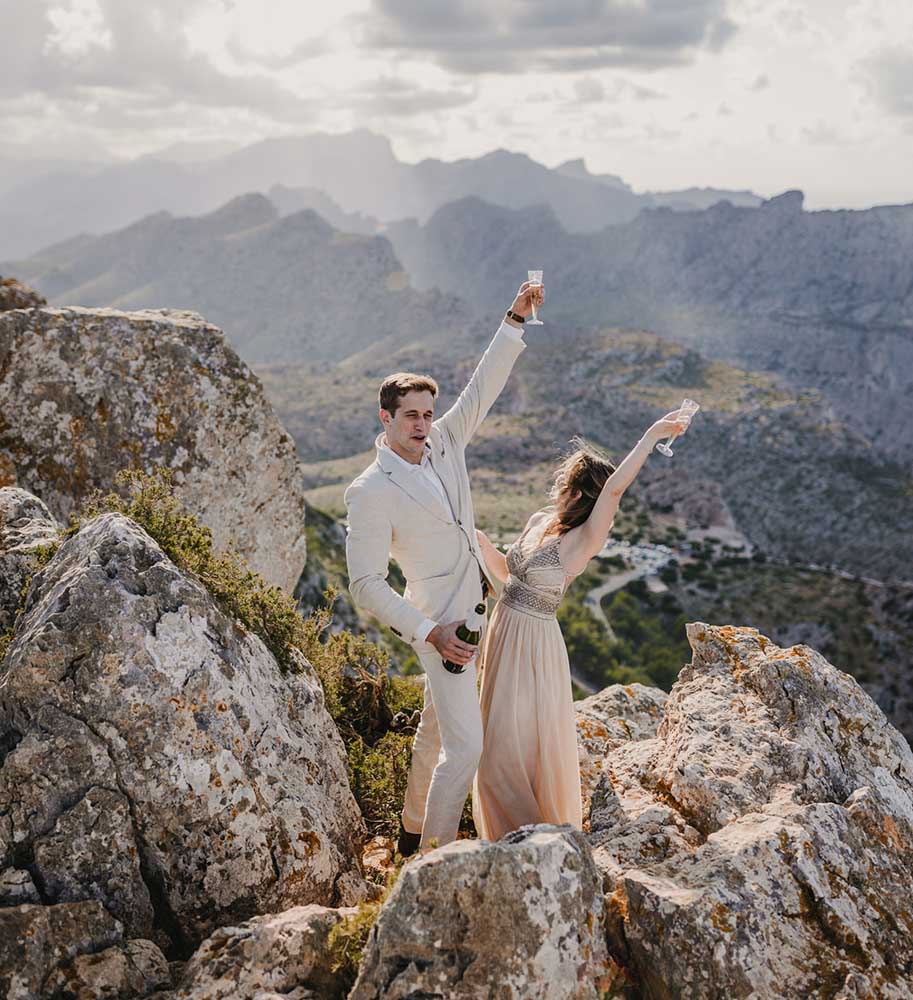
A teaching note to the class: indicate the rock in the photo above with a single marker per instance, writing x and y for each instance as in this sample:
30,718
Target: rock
133,969
284,954
158,760
16,887
616,715
36,940
93,391
521,917
25,525
763,836
15,295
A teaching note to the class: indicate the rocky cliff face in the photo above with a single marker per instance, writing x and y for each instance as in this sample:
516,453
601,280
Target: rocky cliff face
85,393
164,790
763,836
154,757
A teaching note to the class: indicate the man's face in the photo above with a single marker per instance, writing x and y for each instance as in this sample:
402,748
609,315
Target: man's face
408,429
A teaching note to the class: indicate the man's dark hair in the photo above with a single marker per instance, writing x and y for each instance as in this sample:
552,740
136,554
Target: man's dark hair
394,387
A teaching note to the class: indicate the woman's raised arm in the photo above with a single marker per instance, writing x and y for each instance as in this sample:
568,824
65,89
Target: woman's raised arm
580,544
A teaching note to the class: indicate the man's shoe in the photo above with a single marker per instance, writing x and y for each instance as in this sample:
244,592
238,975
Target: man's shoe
408,842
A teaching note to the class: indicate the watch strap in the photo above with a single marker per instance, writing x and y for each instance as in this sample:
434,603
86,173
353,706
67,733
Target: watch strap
516,317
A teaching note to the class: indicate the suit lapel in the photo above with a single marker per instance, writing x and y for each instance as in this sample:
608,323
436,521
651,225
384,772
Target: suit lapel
413,485
444,469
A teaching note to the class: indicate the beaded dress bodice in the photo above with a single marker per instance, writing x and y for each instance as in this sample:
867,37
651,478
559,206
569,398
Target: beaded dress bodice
537,580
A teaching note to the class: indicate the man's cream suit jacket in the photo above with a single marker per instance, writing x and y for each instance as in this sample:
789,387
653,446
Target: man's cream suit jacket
391,513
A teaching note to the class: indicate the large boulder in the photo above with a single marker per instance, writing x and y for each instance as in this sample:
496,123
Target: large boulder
74,950
518,918
285,953
605,720
25,525
765,835
87,392
157,759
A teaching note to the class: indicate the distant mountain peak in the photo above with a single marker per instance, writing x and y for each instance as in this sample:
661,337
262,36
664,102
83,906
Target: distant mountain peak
252,209
789,202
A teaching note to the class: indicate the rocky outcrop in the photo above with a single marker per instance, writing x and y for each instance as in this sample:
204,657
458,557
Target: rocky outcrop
25,525
155,757
15,295
285,954
74,950
85,393
764,836
608,719
521,917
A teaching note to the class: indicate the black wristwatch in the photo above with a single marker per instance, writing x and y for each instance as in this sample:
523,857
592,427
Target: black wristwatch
516,317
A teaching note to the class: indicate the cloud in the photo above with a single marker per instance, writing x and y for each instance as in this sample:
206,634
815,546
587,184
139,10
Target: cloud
588,89
389,96
511,36
310,48
888,75
109,56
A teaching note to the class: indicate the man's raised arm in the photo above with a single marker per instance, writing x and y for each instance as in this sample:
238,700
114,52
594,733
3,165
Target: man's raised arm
463,418
367,557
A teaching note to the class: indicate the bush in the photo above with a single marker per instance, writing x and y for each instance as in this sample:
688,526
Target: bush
347,940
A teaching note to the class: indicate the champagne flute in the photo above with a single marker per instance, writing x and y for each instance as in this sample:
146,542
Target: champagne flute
687,409
535,283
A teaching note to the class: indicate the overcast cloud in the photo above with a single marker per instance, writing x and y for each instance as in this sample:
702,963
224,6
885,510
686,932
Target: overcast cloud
760,94
507,36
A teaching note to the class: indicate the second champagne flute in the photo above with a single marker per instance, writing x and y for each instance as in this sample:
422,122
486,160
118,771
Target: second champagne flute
687,409
535,282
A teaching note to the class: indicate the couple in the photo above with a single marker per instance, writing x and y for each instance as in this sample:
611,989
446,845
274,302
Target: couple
413,503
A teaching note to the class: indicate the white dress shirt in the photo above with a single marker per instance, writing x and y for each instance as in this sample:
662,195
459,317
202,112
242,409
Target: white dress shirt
427,471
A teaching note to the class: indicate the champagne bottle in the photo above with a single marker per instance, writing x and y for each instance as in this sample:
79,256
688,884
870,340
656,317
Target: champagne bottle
470,631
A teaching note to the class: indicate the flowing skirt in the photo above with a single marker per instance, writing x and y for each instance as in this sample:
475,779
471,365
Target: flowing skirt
529,770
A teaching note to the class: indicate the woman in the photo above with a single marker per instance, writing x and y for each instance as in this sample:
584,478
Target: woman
529,771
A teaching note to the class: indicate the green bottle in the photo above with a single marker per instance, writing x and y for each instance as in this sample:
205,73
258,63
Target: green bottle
470,631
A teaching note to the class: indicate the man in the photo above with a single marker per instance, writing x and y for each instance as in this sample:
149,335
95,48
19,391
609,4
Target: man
413,503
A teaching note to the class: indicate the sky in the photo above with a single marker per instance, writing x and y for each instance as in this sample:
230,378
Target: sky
765,95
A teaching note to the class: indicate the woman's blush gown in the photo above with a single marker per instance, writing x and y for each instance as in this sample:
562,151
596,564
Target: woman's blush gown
529,770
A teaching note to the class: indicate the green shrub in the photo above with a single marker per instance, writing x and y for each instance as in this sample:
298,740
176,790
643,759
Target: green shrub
347,940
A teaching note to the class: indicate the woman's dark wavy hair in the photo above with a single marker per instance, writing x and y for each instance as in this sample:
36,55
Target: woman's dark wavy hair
585,468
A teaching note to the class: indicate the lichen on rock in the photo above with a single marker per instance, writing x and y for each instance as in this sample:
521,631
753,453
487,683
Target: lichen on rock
85,393
156,758
764,835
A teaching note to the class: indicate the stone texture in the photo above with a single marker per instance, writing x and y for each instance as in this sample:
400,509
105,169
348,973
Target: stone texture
85,393
284,953
25,524
764,836
132,969
15,295
36,940
16,887
157,759
605,720
520,917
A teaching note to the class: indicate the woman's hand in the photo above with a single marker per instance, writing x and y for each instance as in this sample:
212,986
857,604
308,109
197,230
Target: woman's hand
674,423
483,539
526,296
